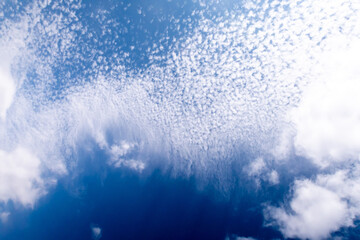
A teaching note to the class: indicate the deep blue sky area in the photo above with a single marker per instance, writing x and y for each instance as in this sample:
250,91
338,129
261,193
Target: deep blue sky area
127,206
150,205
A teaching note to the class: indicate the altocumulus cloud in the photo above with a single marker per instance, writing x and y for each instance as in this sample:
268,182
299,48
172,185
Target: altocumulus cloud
274,79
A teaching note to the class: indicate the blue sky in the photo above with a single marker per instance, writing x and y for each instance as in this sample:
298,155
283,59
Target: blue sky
197,119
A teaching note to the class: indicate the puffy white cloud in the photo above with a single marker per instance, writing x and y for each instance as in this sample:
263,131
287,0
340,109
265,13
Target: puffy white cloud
261,170
325,128
314,212
20,175
322,206
96,232
122,149
121,155
327,120
257,166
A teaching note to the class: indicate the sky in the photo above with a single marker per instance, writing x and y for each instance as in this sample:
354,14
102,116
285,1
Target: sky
201,119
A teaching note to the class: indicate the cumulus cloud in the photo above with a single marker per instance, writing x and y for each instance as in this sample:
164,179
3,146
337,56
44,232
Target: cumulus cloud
326,130
327,120
20,174
320,207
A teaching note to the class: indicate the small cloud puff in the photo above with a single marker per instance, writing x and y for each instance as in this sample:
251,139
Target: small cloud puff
120,156
96,232
259,170
274,177
256,167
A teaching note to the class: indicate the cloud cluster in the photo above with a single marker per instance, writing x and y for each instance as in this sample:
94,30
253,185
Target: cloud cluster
327,120
326,131
20,173
320,207
262,79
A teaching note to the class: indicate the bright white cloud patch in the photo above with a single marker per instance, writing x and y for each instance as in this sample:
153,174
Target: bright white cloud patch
325,127
7,90
20,175
327,121
315,212
320,207
121,155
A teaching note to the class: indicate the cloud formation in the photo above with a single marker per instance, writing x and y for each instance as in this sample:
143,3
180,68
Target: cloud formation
20,173
263,79
7,90
327,120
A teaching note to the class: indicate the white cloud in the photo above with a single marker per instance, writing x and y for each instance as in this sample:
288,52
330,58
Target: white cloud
327,120
134,164
261,170
7,90
20,175
121,150
325,128
346,184
225,87
96,232
322,206
274,177
314,212
120,155
257,166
